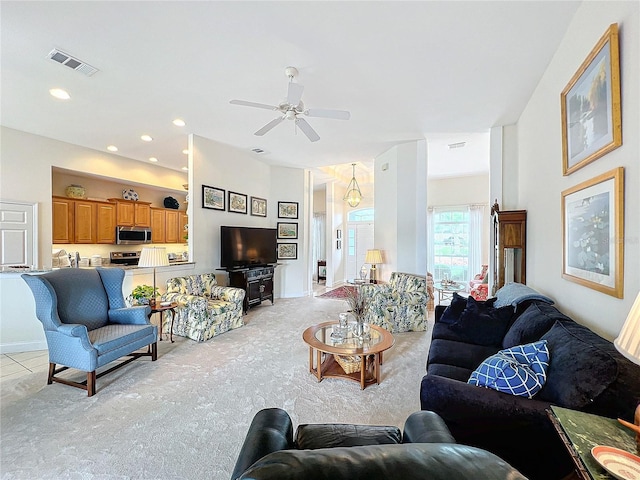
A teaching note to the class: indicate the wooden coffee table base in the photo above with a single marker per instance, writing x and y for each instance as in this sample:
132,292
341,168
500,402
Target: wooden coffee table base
326,366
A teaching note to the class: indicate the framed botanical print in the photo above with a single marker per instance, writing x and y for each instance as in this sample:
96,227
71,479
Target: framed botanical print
590,105
287,209
213,198
593,233
287,251
237,202
258,207
287,230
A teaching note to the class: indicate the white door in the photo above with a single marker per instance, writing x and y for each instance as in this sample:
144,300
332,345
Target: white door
359,240
18,242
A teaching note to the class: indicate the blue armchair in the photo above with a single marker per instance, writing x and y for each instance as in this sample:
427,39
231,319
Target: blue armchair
87,324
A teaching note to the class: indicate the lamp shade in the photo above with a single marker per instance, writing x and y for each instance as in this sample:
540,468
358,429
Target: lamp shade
153,257
373,257
628,341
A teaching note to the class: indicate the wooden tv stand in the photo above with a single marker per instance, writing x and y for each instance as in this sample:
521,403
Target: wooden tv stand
257,283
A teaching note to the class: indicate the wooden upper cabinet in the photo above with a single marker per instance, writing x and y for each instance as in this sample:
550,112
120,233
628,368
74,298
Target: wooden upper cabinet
130,213
172,226
142,214
85,222
62,213
106,223
158,225
183,221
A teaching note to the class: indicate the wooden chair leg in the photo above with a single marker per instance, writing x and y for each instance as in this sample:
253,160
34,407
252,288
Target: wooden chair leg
91,383
52,369
154,351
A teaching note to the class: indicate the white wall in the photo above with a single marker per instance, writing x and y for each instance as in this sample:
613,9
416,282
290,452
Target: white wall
540,180
400,208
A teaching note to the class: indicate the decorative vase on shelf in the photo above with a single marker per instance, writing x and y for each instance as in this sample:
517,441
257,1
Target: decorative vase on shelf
75,191
363,273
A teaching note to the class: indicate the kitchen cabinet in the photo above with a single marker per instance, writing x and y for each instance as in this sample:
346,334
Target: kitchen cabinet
172,226
130,213
84,224
83,221
62,213
158,225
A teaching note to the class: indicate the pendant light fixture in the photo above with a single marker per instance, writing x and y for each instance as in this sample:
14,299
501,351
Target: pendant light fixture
353,195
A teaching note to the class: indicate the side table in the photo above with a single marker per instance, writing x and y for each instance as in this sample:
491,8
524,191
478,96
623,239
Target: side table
161,309
580,432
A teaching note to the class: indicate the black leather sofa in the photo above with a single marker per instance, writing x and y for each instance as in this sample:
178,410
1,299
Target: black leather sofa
585,373
425,450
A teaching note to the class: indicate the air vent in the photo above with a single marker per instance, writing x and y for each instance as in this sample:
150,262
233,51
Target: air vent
72,62
456,145
257,151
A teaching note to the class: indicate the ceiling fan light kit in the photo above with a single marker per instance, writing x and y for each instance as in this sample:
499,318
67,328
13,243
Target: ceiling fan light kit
292,107
353,195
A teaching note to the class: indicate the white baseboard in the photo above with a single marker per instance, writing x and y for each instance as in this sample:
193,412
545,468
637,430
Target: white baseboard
22,347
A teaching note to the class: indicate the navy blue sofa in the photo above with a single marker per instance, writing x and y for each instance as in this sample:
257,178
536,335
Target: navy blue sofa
585,373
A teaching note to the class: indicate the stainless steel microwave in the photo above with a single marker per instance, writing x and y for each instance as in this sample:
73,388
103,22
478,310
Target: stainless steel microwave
133,235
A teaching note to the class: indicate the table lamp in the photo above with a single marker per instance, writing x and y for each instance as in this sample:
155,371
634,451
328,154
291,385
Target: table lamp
628,344
373,257
153,257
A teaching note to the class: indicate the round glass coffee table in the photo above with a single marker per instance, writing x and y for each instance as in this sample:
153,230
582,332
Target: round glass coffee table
446,290
346,356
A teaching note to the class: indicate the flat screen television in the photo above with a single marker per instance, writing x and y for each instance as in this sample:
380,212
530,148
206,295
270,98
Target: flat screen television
242,247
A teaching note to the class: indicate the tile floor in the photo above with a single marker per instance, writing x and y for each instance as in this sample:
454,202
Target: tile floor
14,365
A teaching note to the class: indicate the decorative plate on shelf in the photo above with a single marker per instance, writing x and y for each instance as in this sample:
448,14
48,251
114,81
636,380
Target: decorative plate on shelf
130,194
619,463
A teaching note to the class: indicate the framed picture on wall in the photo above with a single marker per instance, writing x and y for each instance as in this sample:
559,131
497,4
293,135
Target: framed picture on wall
592,233
258,207
287,209
237,202
287,251
287,230
590,105
213,197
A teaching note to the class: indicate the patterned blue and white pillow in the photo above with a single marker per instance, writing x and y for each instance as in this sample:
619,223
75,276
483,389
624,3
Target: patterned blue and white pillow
520,370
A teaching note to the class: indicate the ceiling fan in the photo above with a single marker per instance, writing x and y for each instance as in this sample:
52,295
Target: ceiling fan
292,108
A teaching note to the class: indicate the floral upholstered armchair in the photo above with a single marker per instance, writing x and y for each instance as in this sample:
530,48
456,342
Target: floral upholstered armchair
400,305
204,309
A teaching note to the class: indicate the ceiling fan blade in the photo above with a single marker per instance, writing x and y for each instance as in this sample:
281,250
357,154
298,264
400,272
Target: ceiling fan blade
269,126
253,104
294,94
319,112
307,130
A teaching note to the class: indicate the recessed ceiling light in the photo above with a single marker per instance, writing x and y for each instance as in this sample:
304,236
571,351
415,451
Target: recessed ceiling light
185,151
112,148
146,138
178,122
185,168
60,93
153,159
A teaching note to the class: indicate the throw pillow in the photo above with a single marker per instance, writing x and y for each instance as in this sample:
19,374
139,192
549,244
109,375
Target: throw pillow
579,370
482,324
452,313
534,322
515,293
521,370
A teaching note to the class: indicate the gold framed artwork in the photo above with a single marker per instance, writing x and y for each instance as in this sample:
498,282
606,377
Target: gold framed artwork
590,105
593,233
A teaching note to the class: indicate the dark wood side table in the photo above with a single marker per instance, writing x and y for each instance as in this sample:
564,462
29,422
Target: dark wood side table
157,308
580,432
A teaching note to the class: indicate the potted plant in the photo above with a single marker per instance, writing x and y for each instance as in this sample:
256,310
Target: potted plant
143,293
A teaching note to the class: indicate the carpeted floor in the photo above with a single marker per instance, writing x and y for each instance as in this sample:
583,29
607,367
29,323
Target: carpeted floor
185,415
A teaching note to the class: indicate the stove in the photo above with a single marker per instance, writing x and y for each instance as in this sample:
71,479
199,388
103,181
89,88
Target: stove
125,258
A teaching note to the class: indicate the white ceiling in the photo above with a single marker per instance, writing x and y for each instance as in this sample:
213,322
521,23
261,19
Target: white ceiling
444,70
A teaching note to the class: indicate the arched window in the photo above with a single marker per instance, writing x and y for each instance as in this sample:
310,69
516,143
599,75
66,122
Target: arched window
363,215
